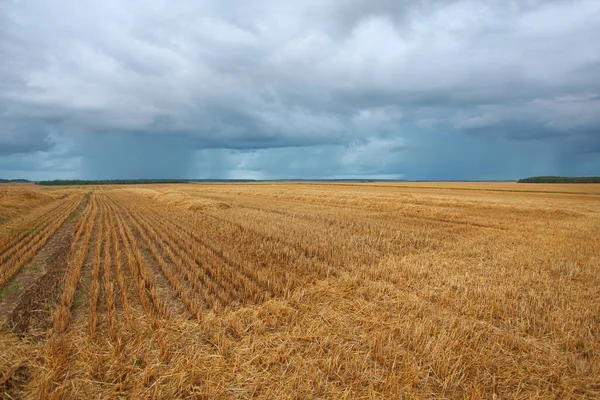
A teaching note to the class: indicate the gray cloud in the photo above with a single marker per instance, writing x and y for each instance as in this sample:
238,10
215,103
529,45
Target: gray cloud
314,88
114,156
23,137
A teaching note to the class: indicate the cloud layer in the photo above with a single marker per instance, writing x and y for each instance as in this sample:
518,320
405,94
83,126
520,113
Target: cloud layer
415,89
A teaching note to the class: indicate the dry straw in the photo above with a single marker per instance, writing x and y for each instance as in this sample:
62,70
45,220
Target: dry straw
312,291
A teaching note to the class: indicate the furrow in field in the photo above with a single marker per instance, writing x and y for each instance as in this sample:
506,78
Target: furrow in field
39,281
218,281
212,277
132,263
25,252
277,267
173,272
152,297
33,224
124,288
218,254
33,228
80,227
75,261
94,290
216,263
200,281
123,352
30,231
215,274
148,295
110,297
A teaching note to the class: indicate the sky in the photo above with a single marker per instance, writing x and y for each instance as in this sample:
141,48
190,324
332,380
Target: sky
269,89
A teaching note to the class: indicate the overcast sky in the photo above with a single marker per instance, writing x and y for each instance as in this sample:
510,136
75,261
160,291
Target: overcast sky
272,89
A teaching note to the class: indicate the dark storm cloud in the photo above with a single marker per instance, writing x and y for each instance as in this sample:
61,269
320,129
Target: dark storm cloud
310,88
23,137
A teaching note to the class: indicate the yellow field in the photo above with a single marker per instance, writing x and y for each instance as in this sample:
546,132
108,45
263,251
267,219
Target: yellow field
275,290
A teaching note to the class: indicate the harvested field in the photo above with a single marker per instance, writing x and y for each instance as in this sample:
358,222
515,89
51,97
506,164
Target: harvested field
303,290
18,199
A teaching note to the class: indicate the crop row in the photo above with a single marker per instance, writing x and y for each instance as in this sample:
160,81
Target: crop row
31,224
21,236
148,295
21,253
75,260
193,269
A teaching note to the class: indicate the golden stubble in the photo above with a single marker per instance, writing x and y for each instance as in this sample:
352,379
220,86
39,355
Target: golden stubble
312,290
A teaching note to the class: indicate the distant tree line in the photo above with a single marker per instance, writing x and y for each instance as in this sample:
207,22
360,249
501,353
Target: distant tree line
13,180
61,182
561,179
65,182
